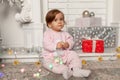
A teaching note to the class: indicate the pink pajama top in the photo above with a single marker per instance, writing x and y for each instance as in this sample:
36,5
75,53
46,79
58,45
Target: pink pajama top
50,40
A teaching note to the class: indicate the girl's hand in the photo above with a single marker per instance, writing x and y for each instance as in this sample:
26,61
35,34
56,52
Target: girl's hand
59,45
65,45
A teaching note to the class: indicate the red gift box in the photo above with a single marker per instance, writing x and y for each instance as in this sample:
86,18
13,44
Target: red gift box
89,46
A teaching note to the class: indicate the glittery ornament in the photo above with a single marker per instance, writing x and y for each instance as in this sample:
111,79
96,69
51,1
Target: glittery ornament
100,58
38,63
84,62
118,49
10,51
16,62
118,55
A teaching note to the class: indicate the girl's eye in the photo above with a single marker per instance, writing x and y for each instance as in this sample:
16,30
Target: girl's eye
55,20
61,19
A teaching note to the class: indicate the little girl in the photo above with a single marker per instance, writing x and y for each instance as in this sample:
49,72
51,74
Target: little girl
57,54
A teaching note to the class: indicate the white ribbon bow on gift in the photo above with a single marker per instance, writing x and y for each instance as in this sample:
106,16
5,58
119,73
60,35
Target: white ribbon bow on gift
93,43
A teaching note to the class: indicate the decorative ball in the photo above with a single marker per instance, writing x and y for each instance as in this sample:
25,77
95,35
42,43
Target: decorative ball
92,14
118,55
86,13
38,63
100,58
118,49
10,51
84,62
16,62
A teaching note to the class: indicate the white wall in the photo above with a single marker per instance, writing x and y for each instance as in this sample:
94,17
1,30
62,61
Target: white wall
116,11
11,31
17,35
13,34
34,31
74,8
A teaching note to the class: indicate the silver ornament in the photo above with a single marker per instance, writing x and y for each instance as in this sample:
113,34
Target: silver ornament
92,14
86,13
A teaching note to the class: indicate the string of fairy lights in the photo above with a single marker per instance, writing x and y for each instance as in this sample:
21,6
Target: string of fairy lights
38,63
16,62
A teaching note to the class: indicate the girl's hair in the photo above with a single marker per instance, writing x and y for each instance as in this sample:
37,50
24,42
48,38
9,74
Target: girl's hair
51,15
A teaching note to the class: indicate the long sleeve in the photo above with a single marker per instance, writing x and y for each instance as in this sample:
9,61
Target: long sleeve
48,42
69,39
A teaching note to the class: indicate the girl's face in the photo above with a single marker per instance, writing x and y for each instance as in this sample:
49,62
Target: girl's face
58,23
